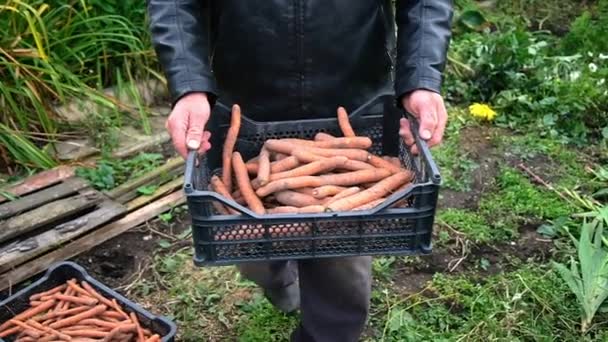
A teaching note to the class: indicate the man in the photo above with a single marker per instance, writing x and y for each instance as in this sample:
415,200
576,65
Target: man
298,59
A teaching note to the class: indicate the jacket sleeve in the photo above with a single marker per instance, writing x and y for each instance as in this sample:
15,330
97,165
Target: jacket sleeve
423,37
180,35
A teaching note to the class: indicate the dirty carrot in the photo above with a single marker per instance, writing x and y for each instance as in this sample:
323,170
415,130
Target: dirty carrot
88,301
244,184
77,318
344,193
231,136
381,189
290,148
30,313
383,164
218,186
371,204
37,296
140,332
264,167
327,190
314,168
295,210
284,164
295,199
344,123
342,179
354,165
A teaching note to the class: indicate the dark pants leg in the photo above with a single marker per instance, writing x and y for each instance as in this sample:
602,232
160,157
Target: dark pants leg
334,294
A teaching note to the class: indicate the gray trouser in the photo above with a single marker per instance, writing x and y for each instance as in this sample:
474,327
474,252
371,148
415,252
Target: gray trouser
334,294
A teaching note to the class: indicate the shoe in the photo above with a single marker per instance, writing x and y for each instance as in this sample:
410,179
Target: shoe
285,299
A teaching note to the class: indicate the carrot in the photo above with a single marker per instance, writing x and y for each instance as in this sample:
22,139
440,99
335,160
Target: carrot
295,199
100,323
344,123
371,204
295,210
344,193
64,305
10,331
264,167
140,332
26,329
37,296
87,333
316,167
95,294
383,164
344,142
219,207
355,165
342,179
327,190
77,318
322,136
289,148
231,136
284,164
29,313
381,189
117,307
306,191
305,156
218,186
74,285
242,179
88,301
252,168
280,156
395,161
53,332
154,338
68,312
35,302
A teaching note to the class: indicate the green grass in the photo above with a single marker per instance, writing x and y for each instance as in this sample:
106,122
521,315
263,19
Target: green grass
109,173
530,304
473,226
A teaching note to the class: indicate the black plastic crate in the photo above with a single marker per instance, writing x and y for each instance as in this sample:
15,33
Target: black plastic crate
383,230
62,272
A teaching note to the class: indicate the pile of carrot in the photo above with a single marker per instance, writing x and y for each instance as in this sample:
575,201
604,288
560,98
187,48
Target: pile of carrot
324,174
76,312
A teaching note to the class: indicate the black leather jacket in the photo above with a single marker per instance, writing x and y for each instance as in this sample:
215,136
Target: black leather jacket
292,59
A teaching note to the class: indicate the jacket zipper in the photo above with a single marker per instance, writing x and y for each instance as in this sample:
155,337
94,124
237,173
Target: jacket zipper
300,63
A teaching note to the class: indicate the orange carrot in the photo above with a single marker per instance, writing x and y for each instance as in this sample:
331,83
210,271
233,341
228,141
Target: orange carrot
344,123
10,331
342,179
252,168
87,333
218,186
242,179
295,199
354,165
140,332
68,312
26,329
88,301
77,318
36,302
280,156
381,189
314,168
295,210
74,285
64,305
344,193
371,204
290,148
345,142
154,338
306,191
30,313
383,164
327,190
305,156
37,296
284,164
321,136
53,332
117,307
264,167
231,136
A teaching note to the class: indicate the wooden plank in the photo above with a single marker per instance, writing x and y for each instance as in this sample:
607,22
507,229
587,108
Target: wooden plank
21,251
41,197
137,182
47,214
38,181
91,240
161,191
133,194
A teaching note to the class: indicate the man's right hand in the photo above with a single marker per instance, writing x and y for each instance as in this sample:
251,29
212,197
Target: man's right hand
186,124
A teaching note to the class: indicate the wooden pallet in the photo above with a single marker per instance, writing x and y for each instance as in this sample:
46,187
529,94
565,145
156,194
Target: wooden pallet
45,217
55,215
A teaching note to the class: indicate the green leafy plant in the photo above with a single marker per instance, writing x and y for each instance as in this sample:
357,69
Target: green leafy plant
587,278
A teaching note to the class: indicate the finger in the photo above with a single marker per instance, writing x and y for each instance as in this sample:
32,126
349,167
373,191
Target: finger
177,129
205,143
442,119
197,119
428,121
405,132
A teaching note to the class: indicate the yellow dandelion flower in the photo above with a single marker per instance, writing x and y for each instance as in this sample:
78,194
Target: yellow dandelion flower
482,111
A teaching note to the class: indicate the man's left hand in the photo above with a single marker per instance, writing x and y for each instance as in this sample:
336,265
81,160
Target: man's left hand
429,109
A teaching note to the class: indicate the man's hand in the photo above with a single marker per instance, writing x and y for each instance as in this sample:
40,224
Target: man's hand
429,109
186,124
